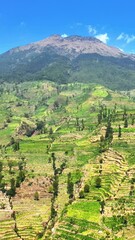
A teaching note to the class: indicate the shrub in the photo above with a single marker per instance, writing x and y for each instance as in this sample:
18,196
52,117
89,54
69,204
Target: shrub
98,182
36,196
81,194
86,188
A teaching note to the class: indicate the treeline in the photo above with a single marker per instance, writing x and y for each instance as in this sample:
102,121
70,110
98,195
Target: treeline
108,116
15,179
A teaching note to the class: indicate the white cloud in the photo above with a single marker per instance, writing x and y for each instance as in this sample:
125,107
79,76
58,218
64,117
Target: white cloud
91,30
121,36
64,35
121,49
127,38
103,37
130,39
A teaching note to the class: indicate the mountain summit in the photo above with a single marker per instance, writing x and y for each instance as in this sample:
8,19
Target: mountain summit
69,59
72,46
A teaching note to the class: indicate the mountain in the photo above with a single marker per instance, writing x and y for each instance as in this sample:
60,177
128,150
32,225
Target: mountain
67,159
70,59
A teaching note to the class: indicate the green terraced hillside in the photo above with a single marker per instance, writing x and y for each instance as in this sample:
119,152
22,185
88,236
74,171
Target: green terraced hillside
67,162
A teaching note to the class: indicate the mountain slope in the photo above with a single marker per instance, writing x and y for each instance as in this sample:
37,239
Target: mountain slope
61,177
75,58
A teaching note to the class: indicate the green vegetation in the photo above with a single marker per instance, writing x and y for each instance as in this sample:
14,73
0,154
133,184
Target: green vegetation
116,73
89,211
66,162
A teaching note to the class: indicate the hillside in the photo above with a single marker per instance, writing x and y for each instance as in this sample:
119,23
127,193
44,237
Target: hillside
70,59
67,161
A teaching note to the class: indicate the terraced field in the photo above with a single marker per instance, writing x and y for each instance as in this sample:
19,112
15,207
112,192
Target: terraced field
67,162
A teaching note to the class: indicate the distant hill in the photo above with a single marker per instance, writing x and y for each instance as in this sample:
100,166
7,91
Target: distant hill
70,59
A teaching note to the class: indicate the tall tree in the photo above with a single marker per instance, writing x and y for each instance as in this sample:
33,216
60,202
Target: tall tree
55,186
126,123
119,131
70,186
109,132
1,166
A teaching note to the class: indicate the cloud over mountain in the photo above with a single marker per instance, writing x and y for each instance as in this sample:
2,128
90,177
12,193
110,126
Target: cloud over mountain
103,37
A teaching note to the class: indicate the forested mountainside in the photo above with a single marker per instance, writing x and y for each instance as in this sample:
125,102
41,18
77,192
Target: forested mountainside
70,59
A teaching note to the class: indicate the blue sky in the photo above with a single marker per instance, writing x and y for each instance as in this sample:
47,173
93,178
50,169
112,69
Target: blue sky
26,21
